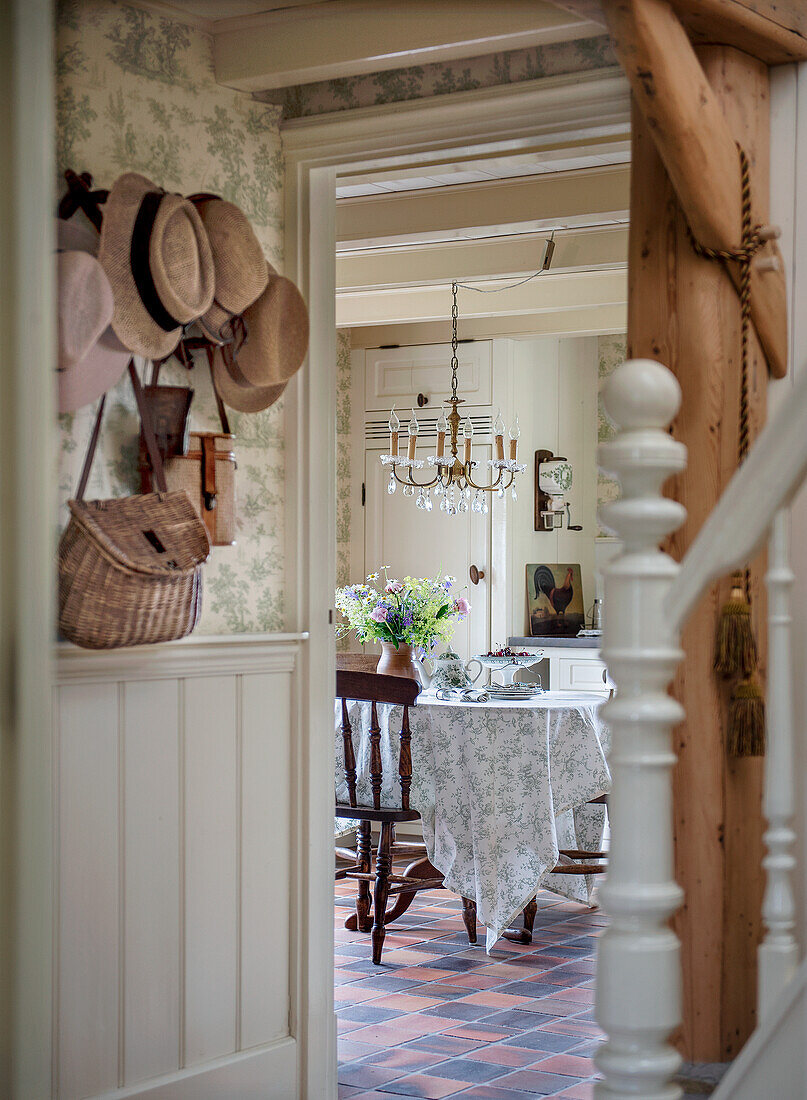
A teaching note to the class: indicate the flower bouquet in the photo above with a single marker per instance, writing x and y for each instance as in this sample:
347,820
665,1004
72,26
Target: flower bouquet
417,612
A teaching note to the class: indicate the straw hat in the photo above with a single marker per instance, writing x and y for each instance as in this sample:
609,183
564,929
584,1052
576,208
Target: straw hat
238,263
90,358
235,391
157,257
251,375
276,334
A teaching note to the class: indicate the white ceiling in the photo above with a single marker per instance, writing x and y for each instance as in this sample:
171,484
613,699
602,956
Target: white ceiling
477,170
211,10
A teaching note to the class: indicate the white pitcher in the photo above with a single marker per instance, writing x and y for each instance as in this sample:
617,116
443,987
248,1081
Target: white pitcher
447,671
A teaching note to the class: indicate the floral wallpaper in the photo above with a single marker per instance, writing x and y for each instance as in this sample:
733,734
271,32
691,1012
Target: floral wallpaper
611,351
442,78
135,92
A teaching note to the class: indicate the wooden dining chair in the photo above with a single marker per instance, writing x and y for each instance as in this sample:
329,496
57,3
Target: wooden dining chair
375,689
571,861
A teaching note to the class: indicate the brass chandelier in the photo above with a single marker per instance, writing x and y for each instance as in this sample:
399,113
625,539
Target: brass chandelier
453,480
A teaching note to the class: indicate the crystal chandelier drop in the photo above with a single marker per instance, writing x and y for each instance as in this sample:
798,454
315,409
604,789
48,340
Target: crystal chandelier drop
453,479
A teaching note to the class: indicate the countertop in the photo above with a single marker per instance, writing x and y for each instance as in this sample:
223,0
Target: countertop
555,643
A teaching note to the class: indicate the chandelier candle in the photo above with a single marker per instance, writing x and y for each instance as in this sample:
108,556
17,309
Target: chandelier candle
413,430
498,428
453,477
468,431
394,428
442,428
515,432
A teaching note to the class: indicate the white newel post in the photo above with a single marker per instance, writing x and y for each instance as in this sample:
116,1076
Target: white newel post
778,953
638,994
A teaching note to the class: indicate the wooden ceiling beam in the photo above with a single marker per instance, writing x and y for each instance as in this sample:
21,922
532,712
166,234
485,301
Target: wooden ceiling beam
775,31
698,150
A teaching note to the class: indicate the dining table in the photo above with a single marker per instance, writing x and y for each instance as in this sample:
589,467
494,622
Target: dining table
501,786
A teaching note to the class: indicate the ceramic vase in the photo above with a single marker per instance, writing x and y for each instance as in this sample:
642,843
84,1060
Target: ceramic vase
396,662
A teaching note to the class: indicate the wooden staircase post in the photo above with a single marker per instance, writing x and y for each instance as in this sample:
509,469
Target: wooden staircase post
638,987
778,953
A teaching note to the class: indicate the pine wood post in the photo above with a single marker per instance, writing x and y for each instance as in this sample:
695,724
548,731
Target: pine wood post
683,311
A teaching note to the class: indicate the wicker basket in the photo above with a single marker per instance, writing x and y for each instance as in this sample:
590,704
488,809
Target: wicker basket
130,570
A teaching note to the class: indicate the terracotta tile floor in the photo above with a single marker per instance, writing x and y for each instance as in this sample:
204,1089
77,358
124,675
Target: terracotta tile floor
440,1018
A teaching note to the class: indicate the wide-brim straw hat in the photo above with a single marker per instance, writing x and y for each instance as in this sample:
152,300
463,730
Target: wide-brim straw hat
83,306
236,391
157,257
276,340
90,358
238,263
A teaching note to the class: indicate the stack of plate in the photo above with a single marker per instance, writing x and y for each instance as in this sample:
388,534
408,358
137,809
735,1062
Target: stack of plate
514,691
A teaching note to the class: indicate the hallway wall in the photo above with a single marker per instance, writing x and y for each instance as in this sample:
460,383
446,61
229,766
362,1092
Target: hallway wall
135,92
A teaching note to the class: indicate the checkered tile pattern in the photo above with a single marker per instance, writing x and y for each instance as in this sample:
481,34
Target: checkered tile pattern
439,1018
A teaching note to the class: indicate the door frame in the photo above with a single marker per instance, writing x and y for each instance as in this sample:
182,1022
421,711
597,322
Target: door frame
27,544
317,150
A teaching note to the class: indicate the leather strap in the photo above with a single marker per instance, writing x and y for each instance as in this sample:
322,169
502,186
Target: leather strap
224,419
90,455
209,473
148,435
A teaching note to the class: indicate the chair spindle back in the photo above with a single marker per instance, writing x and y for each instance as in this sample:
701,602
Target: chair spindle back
372,688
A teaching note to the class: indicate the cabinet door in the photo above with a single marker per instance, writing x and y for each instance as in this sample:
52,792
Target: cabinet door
581,674
397,375
417,543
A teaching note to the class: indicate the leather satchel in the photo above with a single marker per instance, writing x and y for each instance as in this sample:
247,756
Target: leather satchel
206,471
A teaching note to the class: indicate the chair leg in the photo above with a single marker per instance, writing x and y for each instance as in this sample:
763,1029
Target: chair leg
469,917
523,934
364,852
530,909
383,868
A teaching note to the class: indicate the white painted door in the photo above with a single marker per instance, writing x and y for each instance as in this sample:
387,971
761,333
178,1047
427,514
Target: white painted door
419,543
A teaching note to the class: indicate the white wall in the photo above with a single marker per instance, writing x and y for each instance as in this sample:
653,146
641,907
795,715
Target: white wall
174,773
554,389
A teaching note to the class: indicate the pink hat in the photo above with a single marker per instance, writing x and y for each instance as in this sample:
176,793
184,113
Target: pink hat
90,357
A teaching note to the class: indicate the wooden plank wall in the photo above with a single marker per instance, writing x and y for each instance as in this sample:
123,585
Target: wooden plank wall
174,802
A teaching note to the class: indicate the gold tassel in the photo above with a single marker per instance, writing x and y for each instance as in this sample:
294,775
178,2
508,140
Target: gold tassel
746,725
735,648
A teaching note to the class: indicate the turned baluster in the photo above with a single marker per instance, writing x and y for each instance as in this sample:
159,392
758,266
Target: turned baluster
778,953
376,772
638,988
405,760
350,756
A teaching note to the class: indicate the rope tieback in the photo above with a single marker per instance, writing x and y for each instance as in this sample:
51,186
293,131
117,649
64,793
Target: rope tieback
736,654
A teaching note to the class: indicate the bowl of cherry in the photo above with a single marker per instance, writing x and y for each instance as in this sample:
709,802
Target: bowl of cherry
508,661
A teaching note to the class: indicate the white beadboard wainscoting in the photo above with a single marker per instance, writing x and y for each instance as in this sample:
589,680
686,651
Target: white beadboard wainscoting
174,810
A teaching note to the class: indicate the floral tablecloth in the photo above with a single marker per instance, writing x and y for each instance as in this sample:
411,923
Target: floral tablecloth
500,787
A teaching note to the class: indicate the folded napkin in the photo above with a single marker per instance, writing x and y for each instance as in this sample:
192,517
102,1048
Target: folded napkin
462,695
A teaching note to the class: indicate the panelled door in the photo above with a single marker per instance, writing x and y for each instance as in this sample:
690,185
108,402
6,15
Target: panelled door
415,542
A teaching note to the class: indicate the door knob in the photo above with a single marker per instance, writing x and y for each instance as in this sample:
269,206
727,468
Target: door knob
476,574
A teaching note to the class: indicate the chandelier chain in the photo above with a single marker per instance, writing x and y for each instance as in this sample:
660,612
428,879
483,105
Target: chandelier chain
454,361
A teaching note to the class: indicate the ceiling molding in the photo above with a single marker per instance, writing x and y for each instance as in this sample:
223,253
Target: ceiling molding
586,321
555,293
507,118
344,38
479,261
515,206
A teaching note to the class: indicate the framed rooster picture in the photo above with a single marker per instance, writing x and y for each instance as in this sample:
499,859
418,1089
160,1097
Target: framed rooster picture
555,600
